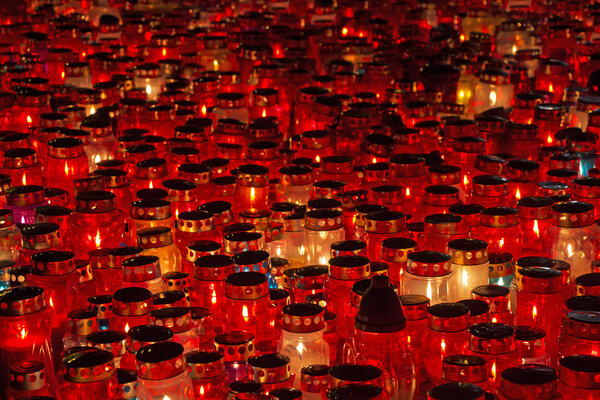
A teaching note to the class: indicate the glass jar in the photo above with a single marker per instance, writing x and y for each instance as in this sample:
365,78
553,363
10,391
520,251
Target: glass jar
252,189
437,200
179,320
571,236
162,371
26,328
28,379
77,381
296,183
578,377
465,368
23,200
539,302
112,341
498,299
66,162
529,381
490,191
149,173
534,220
495,343
247,307
207,371
149,213
415,309
140,336
314,381
231,105
429,273
102,143
493,90
130,308
500,229
272,370
143,271
10,237
97,222
440,229
531,345
576,336
446,334
257,261
383,225
23,166
159,242
54,271
380,326
394,251
80,323
322,228
302,339
236,347
101,305
470,265
344,272
210,272
39,237
549,118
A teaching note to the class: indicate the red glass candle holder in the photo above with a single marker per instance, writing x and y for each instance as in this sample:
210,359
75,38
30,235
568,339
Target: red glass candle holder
539,301
462,368
97,222
77,380
383,225
207,370
525,380
271,370
447,334
23,200
26,329
140,336
247,306
162,371
499,227
131,307
577,376
440,229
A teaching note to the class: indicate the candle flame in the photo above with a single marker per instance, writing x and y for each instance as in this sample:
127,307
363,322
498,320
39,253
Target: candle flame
66,169
551,88
97,159
202,390
213,299
252,195
51,302
514,49
322,260
407,192
29,121
570,251
465,180
148,89
24,180
534,312
518,194
344,31
165,397
493,371
429,291
494,319
215,65
151,185
462,37
501,243
92,110
317,158
203,111
23,333
245,314
97,240
493,98
465,278
264,113
126,327
536,229
62,75
164,51
549,139
443,345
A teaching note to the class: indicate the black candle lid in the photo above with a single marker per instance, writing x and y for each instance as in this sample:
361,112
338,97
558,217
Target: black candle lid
380,310
354,392
456,391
